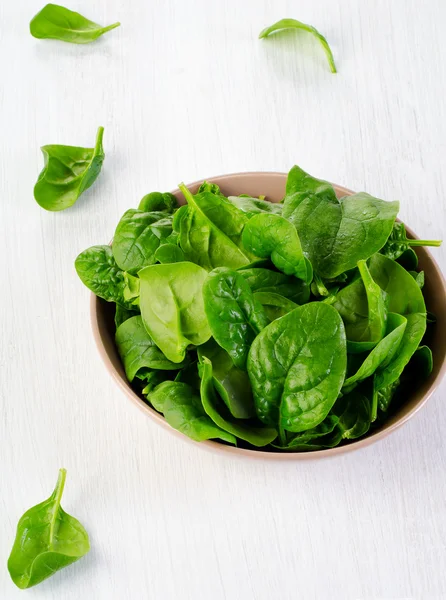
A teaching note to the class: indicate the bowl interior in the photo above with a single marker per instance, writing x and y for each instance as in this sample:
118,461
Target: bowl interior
272,185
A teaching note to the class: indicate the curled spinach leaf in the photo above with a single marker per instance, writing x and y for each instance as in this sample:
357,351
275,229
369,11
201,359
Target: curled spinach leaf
232,384
183,410
291,389
210,231
59,23
256,434
138,236
234,316
68,171
362,306
398,242
284,24
138,350
47,540
383,352
158,202
172,307
272,236
335,234
265,280
98,270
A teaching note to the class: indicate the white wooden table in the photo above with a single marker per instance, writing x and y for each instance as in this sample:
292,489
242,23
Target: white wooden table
185,90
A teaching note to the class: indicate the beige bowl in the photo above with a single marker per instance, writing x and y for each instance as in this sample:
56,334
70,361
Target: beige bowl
272,185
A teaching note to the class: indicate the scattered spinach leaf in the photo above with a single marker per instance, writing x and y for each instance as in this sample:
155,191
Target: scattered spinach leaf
284,24
47,540
59,23
68,171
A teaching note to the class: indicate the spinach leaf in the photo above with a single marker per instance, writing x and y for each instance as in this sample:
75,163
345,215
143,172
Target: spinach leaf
183,411
68,171
59,23
335,234
211,231
172,307
326,435
398,242
274,305
123,314
353,411
284,24
297,366
98,270
158,202
265,280
151,379
231,383
362,306
256,434
383,352
138,350
422,361
234,316
253,206
47,540
419,278
169,253
383,397
212,188
131,289
272,236
138,236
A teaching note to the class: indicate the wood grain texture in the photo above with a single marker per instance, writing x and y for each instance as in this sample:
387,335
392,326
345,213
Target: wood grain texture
184,91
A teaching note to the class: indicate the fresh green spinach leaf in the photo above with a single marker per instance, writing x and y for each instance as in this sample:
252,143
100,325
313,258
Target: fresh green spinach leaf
335,234
297,366
183,410
169,253
172,307
98,270
138,236
256,434
265,280
59,23
47,540
284,24
68,171
138,350
272,236
211,231
232,384
234,316
158,202
274,305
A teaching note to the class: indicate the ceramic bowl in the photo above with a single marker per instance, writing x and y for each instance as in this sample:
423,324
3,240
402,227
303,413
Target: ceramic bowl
272,185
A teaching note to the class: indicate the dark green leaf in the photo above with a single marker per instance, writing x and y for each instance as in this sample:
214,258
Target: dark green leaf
234,316
297,366
138,236
335,234
68,171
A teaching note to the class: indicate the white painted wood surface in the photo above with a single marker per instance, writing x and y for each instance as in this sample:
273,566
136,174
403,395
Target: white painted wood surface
185,90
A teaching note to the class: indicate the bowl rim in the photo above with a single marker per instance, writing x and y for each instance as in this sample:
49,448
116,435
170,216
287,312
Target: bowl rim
259,454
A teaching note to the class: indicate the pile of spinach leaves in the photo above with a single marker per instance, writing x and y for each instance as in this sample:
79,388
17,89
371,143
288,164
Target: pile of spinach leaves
286,326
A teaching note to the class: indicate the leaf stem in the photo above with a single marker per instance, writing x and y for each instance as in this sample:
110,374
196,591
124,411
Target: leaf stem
57,497
435,243
98,146
186,192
